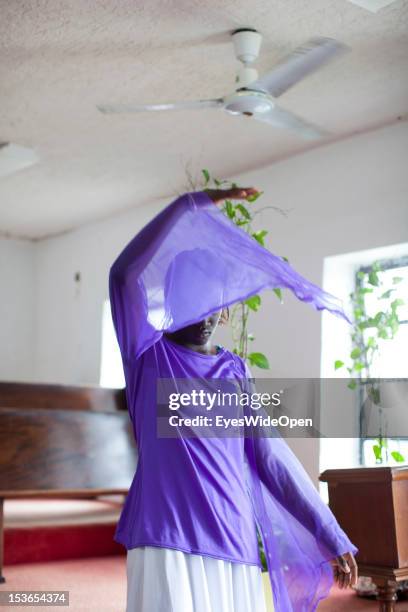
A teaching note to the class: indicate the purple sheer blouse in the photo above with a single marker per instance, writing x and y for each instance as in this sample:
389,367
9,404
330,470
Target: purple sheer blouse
209,495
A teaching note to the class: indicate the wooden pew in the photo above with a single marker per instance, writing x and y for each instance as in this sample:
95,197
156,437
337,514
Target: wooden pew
63,442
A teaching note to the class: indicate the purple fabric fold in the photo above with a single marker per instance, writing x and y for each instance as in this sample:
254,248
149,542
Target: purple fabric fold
300,534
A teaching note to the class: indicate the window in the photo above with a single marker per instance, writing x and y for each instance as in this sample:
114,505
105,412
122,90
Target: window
339,277
111,361
391,359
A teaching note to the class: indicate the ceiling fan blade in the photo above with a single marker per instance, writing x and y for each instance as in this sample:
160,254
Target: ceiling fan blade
136,108
297,65
280,118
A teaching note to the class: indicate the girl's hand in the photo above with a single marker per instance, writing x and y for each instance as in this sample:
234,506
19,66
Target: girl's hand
345,570
236,193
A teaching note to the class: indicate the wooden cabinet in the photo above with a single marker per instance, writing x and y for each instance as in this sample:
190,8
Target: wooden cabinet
371,505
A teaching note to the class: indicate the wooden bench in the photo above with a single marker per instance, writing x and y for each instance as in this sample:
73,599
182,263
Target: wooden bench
60,441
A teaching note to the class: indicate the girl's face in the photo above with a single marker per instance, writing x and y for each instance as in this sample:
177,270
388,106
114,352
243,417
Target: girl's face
197,334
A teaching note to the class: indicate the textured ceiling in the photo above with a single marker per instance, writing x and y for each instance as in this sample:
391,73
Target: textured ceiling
59,59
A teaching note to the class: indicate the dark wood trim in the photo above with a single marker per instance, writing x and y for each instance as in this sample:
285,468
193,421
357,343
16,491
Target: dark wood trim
62,493
32,396
391,573
2,579
368,474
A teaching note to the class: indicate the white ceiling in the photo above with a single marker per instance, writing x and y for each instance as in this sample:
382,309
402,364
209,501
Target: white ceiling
59,59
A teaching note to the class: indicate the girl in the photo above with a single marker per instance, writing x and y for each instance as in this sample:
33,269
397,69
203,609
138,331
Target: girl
190,520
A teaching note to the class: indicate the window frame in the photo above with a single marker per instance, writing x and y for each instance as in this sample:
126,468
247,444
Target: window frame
385,264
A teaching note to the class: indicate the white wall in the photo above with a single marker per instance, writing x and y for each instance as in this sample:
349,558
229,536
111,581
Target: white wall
344,197
69,312
17,310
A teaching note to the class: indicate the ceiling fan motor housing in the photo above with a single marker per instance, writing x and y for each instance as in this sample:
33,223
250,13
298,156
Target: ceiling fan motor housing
248,103
247,42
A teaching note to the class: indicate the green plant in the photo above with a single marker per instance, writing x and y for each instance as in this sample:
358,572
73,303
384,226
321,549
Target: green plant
240,214
366,335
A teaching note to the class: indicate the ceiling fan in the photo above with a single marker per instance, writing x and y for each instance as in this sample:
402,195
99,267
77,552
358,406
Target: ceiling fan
255,96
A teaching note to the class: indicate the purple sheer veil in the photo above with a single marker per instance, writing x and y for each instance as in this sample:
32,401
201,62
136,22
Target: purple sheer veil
192,249
299,532
187,276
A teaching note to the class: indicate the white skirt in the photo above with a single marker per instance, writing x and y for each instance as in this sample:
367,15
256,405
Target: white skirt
169,580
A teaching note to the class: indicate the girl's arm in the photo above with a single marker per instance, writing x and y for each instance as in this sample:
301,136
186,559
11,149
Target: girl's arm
129,303
138,317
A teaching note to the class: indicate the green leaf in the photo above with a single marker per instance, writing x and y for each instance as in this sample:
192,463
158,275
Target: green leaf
397,279
230,210
380,316
217,182
374,395
397,456
255,196
358,366
244,211
259,236
285,259
386,294
373,278
338,364
393,323
251,337
360,275
278,293
355,353
206,175
358,313
377,451
396,303
259,359
371,342
352,385
253,302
